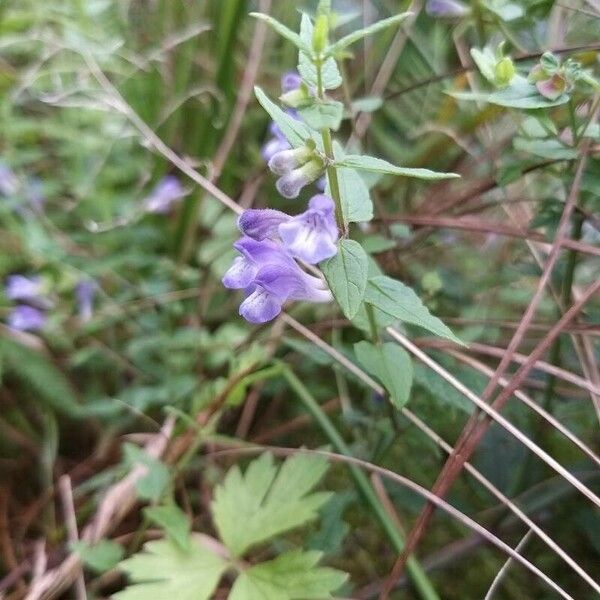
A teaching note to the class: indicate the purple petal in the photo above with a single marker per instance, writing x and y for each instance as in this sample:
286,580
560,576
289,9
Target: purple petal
551,88
260,306
166,192
291,283
20,287
272,147
26,318
261,224
446,8
290,81
85,292
241,274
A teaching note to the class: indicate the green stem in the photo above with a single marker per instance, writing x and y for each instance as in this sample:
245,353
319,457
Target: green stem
373,324
417,574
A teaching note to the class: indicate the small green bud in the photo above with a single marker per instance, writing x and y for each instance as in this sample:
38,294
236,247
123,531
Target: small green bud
504,71
296,98
320,37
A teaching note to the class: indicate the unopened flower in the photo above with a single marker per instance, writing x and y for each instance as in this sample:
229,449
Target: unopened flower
287,160
290,81
551,78
446,8
22,288
85,292
274,285
290,184
166,193
26,318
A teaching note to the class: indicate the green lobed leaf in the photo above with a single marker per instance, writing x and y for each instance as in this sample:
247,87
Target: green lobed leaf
295,132
346,274
518,95
163,570
370,30
266,500
173,520
290,576
101,556
400,301
356,200
389,363
323,114
282,30
378,165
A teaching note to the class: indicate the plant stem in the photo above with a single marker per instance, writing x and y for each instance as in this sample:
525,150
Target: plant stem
417,574
375,337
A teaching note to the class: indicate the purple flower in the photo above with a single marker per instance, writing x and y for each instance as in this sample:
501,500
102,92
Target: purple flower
20,287
85,291
166,193
290,81
26,318
9,184
446,8
309,236
275,284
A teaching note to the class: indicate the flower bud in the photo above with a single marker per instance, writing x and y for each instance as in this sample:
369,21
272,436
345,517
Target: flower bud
287,160
296,98
291,183
504,71
320,33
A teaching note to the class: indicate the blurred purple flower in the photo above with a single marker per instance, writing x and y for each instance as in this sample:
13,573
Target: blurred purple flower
85,292
167,192
446,8
26,318
20,287
309,236
9,184
290,81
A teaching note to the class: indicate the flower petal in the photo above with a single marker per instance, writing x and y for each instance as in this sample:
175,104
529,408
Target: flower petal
260,224
241,273
260,306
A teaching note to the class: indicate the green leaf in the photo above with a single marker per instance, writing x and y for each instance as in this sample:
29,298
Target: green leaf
295,132
356,200
518,95
548,148
367,104
400,301
330,74
101,557
37,373
370,30
173,520
378,165
390,364
507,11
154,483
323,114
164,571
266,501
346,274
486,62
282,30
290,576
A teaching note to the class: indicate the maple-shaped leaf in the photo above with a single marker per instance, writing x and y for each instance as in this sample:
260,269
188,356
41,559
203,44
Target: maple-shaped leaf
163,571
265,501
290,576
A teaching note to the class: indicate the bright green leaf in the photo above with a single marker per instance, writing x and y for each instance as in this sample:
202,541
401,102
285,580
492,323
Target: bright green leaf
378,165
295,132
282,30
390,364
400,301
346,274
370,30
173,520
266,501
101,557
290,576
323,114
164,571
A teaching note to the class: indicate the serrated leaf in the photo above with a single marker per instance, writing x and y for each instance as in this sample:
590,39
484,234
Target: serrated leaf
378,165
323,114
400,301
390,364
154,483
346,274
100,557
519,95
266,501
295,132
290,576
163,570
370,30
282,30
356,201
173,520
